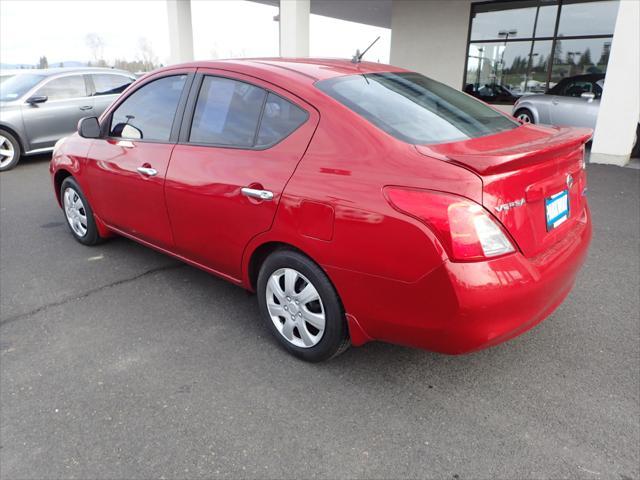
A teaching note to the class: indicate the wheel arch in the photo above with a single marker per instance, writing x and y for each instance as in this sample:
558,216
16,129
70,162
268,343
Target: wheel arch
58,178
258,255
14,133
530,108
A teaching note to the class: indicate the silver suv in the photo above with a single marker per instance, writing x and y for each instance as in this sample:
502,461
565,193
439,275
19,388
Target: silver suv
39,107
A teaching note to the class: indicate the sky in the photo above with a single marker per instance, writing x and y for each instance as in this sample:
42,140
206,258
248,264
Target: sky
30,29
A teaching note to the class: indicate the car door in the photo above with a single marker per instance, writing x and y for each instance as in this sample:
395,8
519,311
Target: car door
67,101
106,88
570,109
240,143
126,169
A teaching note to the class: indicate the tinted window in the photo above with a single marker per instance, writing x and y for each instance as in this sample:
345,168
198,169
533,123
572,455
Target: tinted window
105,84
414,108
279,119
16,86
149,110
64,87
227,113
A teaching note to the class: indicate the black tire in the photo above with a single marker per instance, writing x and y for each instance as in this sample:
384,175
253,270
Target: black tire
335,338
635,150
523,114
91,236
6,164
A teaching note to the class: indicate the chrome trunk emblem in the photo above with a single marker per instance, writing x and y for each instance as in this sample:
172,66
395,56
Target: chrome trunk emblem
507,206
569,181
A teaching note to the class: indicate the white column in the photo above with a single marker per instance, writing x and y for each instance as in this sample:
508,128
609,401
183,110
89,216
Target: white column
180,31
620,104
294,28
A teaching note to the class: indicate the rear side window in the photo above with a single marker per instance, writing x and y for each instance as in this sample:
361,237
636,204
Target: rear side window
414,108
110,84
227,113
279,119
148,112
64,87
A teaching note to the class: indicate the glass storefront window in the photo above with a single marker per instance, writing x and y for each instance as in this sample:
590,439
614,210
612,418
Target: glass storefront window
490,20
591,18
527,46
546,23
579,57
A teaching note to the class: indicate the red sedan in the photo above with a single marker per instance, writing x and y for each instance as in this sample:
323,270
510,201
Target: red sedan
360,201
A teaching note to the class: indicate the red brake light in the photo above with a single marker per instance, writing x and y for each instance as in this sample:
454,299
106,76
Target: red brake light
466,230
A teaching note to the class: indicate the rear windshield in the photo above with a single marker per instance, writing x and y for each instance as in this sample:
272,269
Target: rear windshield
414,108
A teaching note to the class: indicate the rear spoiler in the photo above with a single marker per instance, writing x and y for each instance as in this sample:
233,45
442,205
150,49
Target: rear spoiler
510,150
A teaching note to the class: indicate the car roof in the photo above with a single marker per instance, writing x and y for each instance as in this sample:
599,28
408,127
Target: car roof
311,69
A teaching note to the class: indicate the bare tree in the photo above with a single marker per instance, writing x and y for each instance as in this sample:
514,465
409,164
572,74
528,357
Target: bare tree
147,56
96,44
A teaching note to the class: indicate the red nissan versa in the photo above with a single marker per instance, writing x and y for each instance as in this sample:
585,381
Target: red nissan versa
360,201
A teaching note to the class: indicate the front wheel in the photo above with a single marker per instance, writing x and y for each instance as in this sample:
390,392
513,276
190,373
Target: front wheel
9,151
78,213
301,307
524,115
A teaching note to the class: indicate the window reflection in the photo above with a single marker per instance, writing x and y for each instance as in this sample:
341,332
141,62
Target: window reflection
590,18
489,19
512,51
579,57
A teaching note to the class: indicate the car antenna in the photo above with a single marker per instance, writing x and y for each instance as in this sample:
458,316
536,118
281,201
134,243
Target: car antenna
357,58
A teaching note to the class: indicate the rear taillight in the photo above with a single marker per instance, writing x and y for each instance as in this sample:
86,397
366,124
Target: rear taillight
466,230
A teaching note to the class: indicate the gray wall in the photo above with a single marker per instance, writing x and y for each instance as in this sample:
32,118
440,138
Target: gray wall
430,37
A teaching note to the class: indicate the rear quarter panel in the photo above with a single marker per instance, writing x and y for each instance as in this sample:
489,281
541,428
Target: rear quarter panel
355,235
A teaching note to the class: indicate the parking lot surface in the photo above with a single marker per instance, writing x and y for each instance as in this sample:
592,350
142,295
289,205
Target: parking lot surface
120,362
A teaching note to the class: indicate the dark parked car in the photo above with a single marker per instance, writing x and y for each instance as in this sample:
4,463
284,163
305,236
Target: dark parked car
491,93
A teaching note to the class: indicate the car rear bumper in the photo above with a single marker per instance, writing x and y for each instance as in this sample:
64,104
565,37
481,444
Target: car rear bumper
463,307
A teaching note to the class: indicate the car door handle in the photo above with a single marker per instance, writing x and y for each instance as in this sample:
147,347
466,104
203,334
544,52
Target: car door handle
259,194
86,107
148,171
555,101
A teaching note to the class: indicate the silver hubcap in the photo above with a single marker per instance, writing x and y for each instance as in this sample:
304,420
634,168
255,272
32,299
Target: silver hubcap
7,151
75,212
295,307
524,118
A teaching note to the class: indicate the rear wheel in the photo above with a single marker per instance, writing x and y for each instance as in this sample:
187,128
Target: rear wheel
78,213
301,307
524,115
9,151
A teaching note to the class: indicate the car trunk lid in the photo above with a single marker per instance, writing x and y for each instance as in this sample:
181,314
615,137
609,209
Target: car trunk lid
525,173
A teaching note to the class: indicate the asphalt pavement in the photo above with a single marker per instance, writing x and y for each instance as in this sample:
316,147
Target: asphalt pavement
119,362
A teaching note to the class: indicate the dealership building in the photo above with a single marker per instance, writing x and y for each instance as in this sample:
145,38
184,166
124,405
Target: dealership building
494,49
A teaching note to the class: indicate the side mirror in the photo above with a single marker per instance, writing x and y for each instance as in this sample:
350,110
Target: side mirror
588,96
37,99
88,127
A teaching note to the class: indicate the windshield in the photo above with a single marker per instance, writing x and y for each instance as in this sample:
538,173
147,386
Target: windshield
15,87
414,108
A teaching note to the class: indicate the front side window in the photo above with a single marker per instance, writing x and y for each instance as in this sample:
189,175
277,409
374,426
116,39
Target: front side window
64,88
148,113
110,84
414,108
227,113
